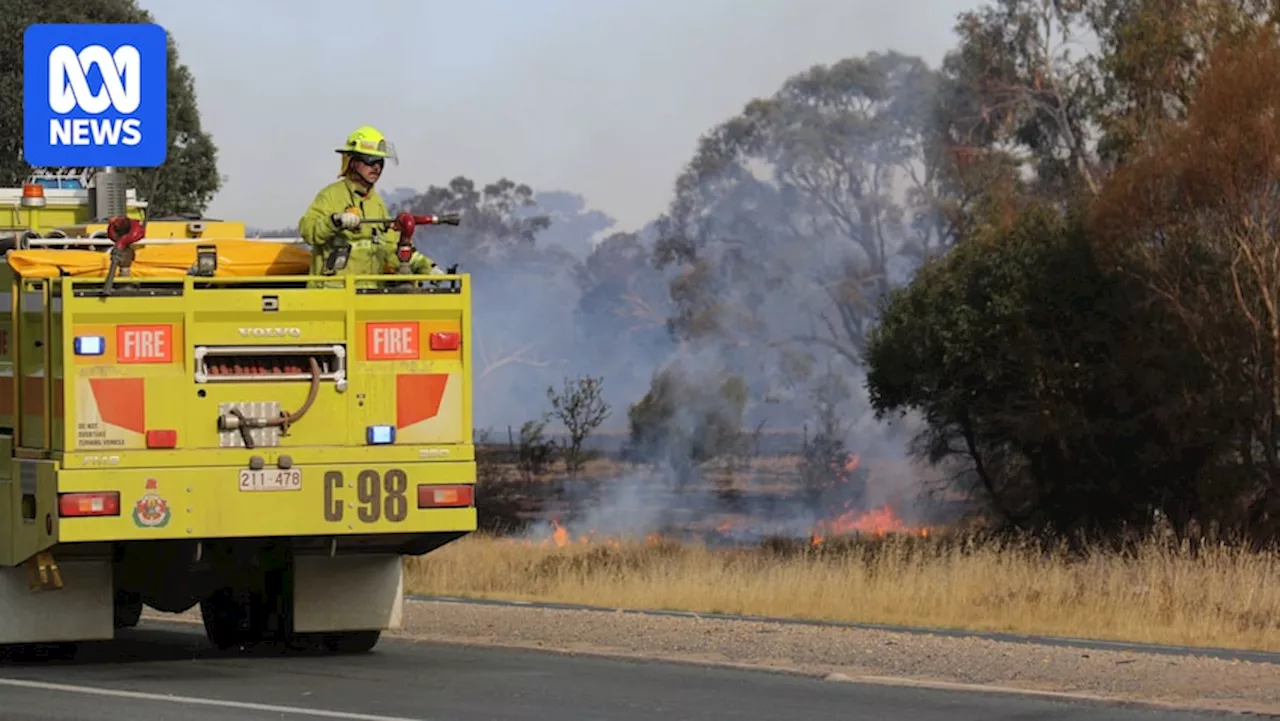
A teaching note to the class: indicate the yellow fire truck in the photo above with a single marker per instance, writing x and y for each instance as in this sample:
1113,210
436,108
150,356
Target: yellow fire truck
189,418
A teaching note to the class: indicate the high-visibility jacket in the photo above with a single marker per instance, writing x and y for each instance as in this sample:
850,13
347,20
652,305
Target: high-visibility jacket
369,256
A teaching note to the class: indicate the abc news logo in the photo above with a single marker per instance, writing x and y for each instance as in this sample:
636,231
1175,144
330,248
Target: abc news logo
95,95
69,89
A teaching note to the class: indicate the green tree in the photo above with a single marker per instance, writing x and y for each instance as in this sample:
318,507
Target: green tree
798,207
823,464
501,223
581,407
1048,387
1204,190
1021,87
1153,294
187,180
536,450
1151,54
687,418
1016,88
624,301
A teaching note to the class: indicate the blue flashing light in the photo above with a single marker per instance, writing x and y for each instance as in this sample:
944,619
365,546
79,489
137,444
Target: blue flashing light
380,435
90,345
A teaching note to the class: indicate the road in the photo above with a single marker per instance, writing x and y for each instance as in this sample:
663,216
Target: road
167,671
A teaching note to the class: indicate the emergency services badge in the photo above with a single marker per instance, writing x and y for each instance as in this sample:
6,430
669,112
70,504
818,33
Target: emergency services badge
151,510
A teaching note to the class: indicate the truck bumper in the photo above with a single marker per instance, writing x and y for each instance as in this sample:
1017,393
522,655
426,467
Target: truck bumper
207,503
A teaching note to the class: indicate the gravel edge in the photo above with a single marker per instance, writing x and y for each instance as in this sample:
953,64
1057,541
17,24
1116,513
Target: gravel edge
1084,644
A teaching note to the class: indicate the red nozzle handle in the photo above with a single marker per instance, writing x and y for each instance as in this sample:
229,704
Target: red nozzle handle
431,219
124,232
442,219
407,222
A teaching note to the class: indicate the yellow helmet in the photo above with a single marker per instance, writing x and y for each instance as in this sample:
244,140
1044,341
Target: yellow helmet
367,142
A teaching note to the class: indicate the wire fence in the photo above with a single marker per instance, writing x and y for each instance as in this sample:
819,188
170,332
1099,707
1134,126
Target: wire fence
505,442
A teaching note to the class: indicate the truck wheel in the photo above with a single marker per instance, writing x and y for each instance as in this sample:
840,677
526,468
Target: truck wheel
229,620
345,642
128,609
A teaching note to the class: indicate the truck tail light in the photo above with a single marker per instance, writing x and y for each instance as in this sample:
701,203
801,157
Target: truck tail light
460,496
106,503
162,439
444,340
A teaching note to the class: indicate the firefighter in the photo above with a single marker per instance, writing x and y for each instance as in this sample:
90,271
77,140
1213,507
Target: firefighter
331,226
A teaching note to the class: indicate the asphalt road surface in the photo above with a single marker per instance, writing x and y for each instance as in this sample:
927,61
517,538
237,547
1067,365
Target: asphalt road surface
167,671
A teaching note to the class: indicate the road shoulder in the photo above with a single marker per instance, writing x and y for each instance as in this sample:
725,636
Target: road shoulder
857,655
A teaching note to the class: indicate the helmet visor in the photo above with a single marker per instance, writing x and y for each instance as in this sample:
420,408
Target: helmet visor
371,152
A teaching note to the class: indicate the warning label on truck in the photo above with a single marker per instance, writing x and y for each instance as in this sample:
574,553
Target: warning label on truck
110,413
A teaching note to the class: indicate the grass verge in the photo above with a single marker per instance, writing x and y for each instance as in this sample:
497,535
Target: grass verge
1215,596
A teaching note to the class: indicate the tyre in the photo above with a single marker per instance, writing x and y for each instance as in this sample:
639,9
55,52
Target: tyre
229,620
128,609
346,642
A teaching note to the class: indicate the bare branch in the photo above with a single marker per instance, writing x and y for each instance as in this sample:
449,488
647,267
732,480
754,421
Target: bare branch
490,365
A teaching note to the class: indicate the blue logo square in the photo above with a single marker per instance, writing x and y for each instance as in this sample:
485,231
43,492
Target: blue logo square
95,95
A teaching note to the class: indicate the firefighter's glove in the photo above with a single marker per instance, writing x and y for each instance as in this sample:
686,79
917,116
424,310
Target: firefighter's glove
436,270
349,221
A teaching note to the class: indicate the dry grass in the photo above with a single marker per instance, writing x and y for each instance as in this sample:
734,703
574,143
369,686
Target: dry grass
1220,596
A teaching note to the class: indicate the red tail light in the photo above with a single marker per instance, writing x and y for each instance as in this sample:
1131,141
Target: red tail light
89,504
446,496
444,340
162,439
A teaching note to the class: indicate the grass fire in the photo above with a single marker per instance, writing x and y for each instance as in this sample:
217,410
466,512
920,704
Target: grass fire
1216,595
738,553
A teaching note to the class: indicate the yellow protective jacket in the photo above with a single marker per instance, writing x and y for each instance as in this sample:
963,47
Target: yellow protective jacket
368,256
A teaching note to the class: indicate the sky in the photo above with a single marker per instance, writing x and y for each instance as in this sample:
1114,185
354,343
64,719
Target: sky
605,98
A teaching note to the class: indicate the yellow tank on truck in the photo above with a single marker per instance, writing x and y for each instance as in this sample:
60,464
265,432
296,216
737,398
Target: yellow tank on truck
205,428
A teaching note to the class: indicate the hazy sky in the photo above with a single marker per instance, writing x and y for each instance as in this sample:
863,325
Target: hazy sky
606,98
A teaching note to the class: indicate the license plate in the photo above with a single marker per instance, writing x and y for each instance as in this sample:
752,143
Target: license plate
289,479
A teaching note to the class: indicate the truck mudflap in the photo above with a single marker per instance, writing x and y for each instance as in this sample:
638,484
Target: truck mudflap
347,593
227,502
80,607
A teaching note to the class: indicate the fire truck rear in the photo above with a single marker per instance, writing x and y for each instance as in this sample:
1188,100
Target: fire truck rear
210,426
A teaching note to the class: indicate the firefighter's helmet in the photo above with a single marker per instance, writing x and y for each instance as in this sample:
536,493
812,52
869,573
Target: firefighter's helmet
367,144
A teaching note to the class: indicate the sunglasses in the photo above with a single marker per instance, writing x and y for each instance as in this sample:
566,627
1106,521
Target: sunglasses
369,159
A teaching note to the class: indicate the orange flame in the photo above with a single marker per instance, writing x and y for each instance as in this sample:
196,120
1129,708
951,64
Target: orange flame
851,465
561,537
876,522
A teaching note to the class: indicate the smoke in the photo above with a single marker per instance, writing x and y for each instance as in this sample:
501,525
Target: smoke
539,323
773,285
